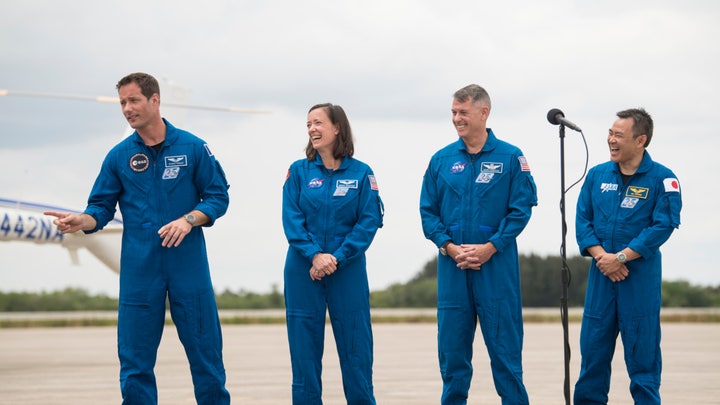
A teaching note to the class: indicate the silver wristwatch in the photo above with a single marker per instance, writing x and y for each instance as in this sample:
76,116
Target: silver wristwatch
190,218
621,257
443,248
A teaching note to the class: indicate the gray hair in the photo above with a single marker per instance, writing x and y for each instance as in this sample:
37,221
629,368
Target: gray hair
473,92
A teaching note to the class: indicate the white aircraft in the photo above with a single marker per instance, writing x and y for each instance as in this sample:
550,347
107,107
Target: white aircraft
23,221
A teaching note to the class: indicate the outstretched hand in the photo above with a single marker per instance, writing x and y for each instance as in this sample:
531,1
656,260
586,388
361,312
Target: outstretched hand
67,222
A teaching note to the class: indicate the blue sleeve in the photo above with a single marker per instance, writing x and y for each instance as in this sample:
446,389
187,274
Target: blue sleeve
104,195
211,183
370,212
293,218
433,228
523,196
584,216
665,218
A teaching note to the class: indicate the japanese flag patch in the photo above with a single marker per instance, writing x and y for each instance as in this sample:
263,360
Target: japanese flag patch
671,185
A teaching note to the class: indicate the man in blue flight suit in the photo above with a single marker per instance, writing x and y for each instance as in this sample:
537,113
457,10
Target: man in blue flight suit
477,197
167,184
628,207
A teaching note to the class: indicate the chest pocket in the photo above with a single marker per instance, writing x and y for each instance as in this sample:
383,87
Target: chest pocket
172,168
346,200
310,198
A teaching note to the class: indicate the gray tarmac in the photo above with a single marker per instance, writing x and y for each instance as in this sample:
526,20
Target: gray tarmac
78,365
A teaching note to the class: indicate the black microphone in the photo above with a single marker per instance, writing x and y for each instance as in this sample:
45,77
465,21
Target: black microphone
556,117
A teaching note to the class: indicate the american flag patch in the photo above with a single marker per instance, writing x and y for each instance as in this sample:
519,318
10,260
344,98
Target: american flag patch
373,182
524,166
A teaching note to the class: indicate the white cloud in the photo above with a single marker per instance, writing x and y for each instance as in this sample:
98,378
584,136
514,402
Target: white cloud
394,67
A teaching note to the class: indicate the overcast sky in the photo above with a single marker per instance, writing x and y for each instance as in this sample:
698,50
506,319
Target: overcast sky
393,66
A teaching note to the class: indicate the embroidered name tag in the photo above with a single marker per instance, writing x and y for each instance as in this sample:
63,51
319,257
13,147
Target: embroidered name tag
491,167
637,192
346,184
175,161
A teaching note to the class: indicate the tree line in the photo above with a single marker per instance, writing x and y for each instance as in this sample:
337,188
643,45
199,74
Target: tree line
540,278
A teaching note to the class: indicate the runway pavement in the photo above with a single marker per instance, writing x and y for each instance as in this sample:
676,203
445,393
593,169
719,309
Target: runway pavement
76,366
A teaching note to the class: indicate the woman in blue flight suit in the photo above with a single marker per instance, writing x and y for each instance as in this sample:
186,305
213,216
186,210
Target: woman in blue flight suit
331,211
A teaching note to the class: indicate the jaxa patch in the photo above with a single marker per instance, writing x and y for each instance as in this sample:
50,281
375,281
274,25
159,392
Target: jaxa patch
637,192
171,173
139,162
629,202
491,167
315,183
458,167
175,161
608,187
484,178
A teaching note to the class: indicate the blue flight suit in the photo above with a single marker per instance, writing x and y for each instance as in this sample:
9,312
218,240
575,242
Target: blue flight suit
639,214
336,212
475,199
152,189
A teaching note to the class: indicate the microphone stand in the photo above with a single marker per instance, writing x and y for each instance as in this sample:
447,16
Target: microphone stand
565,271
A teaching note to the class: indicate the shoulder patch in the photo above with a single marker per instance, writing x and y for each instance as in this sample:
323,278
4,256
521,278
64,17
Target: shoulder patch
373,182
524,165
671,184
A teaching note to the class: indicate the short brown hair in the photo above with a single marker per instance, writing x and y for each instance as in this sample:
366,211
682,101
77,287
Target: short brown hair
148,84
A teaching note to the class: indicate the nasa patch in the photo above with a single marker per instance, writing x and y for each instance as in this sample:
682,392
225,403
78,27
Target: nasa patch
315,183
139,162
457,167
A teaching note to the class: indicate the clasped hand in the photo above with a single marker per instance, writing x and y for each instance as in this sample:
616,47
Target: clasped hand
611,268
471,257
323,264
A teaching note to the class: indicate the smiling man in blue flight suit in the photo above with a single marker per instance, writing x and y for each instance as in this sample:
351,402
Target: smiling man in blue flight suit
477,197
628,207
168,185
